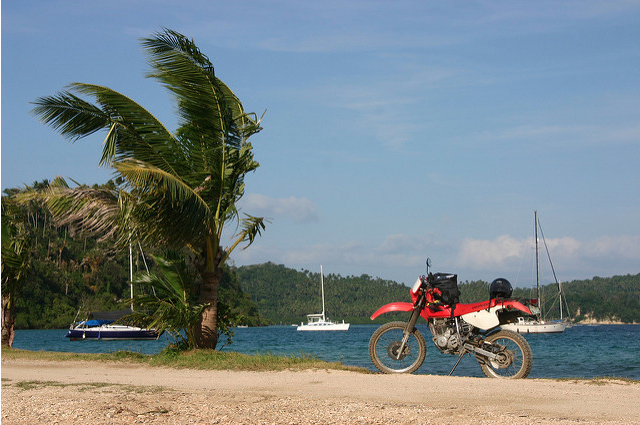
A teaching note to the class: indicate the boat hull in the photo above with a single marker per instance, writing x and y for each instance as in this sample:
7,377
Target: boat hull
327,326
536,327
111,333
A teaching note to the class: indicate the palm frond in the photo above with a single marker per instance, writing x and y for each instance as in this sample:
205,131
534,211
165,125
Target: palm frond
250,227
101,211
168,209
179,65
204,101
70,115
15,249
146,177
133,132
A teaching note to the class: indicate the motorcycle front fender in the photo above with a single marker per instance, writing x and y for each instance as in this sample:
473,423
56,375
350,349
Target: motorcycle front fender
397,306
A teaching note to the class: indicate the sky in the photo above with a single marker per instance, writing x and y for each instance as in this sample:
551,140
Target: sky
393,131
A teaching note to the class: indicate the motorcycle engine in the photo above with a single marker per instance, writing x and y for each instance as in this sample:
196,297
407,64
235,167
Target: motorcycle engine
445,336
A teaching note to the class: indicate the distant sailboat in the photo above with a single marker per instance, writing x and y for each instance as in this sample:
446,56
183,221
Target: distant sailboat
319,322
536,324
102,326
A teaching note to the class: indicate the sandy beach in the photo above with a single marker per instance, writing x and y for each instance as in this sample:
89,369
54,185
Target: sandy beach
47,392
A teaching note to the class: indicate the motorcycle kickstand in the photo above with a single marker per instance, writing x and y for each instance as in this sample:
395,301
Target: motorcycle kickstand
463,350
458,361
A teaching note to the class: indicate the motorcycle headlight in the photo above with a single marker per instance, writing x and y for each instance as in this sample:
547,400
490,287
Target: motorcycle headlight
416,286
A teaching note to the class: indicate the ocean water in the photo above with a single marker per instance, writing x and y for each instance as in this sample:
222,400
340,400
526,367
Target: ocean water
580,352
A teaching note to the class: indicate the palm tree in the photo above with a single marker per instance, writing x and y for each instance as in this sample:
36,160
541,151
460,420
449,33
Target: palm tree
15,264
182,187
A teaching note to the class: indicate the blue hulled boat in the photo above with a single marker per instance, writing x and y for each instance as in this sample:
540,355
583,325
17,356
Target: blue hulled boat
101,326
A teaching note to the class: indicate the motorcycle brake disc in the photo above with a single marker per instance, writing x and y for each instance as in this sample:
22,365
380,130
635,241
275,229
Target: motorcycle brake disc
392,350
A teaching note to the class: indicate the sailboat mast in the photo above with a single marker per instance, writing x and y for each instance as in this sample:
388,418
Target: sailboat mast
535,216
131,273
560,298
322,289
553,269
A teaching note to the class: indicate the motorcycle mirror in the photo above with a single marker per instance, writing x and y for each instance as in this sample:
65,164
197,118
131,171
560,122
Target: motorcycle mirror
428,264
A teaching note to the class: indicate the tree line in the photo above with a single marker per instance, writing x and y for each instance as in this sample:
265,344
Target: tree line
285,295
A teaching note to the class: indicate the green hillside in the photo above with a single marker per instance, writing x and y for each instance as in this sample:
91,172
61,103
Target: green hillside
614,298
284,295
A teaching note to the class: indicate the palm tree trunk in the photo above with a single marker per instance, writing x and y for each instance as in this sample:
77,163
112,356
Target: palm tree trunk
207,333
8,321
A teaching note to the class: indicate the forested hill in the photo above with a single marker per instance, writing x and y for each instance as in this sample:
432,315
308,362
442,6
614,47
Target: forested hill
285,295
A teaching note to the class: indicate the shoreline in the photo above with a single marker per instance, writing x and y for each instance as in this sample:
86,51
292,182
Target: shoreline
581,323
80,392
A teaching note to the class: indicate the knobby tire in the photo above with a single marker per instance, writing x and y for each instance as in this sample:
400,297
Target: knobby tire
517,351
384,344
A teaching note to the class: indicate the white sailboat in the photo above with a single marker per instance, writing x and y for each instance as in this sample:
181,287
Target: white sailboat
319,322
536,324
101,326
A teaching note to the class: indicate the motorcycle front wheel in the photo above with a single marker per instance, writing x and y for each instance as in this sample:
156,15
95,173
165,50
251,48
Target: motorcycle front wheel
385,344
514,358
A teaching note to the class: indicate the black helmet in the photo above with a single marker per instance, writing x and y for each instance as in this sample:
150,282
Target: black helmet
500,288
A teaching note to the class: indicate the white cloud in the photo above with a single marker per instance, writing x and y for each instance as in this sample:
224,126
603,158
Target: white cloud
604,256
489,254
400,243
401,257
395,251
622,246
301,210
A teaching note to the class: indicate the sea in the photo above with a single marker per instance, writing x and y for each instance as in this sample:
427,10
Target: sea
582,351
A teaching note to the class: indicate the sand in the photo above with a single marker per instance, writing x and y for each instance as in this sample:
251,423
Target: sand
47,392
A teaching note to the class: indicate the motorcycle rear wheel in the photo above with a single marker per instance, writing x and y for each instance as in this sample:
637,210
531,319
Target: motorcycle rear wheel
515,357
385,343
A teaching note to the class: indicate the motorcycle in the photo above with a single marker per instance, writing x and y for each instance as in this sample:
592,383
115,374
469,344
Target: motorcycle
456,329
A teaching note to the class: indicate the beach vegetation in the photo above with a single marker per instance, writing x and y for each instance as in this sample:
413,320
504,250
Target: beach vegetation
200,359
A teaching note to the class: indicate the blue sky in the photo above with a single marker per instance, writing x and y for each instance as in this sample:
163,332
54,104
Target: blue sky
393,130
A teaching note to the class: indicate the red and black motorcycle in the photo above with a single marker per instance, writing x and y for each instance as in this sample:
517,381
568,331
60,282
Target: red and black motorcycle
456,329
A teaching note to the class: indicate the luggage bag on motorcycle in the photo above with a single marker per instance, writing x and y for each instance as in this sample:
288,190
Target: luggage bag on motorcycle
447,284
